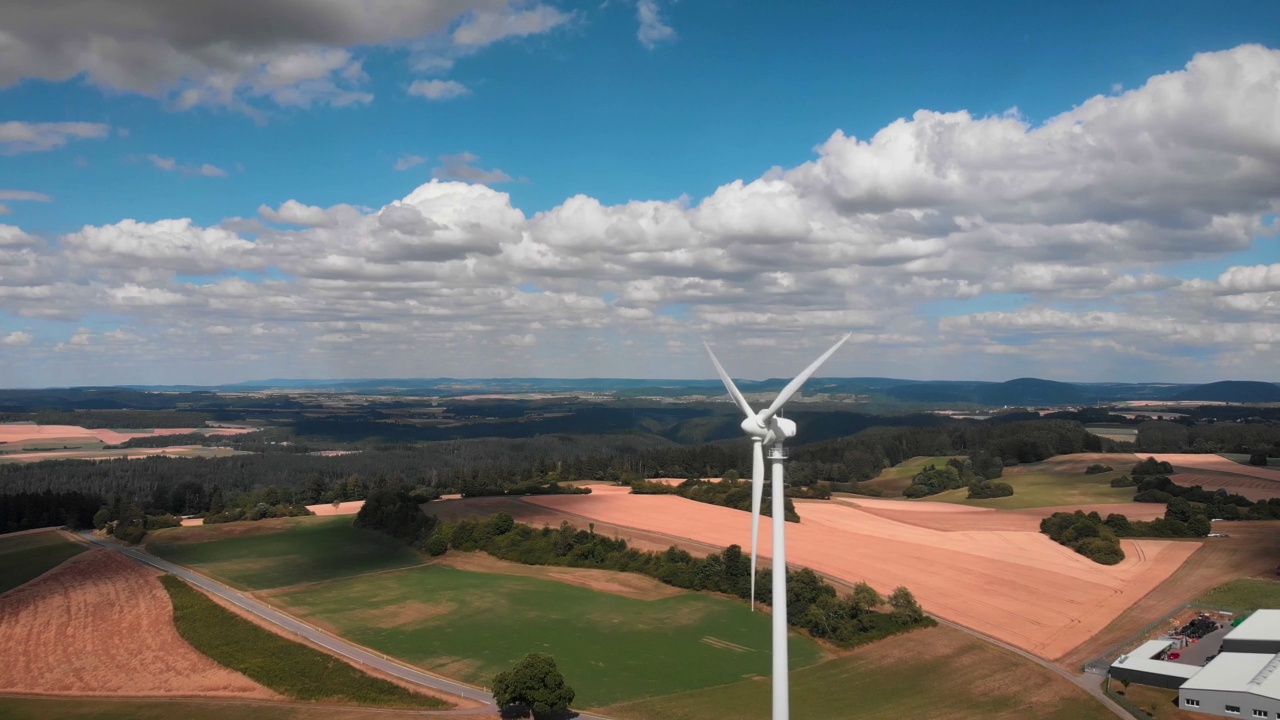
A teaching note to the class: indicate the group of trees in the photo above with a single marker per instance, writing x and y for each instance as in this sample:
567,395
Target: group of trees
1259,439
1151,484
1099,539
978,473
728,492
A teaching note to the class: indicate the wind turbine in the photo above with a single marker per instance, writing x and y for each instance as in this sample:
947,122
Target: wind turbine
766,427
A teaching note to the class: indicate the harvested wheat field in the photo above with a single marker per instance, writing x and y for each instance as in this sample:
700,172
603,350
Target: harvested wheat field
21,432
100,624
1217,463
953,518
345,508
1014,585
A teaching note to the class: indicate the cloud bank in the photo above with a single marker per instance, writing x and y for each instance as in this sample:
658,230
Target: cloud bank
952,245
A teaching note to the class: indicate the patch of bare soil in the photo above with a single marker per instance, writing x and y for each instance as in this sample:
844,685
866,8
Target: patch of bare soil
101,624
629,585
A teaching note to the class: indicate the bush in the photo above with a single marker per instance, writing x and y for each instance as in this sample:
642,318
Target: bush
986,490
1123,481
1097,469
1151,466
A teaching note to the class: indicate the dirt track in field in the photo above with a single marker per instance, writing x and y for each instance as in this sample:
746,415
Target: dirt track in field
101,624
1012,584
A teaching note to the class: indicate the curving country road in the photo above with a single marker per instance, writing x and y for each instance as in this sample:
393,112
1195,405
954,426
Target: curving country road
329,642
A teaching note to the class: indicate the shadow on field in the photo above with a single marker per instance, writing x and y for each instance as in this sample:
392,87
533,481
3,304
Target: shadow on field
511,712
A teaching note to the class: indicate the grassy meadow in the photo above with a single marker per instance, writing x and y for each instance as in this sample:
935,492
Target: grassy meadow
1054,482
470,625
26,557
287,667
934,673
281,552
893,480
1243,596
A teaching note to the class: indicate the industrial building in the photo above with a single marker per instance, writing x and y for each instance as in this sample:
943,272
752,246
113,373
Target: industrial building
1146,665
1244,679
1259,633
1241,681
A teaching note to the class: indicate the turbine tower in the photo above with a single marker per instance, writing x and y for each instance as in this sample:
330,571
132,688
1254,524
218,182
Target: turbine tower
765,427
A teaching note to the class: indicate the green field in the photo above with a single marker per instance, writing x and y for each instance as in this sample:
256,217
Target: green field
12,708
25,557
281,552
1054,482
893,480
1243,459
935,673
1243,596
470,625
287,667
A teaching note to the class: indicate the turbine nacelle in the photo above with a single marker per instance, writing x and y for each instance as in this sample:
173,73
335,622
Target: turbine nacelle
769,430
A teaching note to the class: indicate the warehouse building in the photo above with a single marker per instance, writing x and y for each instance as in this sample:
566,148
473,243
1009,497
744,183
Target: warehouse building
1146,665
1259,633
1243,685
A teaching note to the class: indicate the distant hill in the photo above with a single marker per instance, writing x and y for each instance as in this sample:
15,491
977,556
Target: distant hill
1031,391
1237,391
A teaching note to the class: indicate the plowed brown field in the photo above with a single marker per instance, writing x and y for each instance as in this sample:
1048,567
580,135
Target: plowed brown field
101,624
1011,583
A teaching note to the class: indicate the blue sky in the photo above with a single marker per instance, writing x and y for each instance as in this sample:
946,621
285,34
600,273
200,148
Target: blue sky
565,99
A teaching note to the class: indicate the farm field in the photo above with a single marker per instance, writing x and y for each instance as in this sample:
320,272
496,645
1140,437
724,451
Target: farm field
893,480
1216,471
96,708
281,551
1243,459
1056,482
122,640
26,432
1251,549
967,679
26,556
1244,595
279,663
1014,585
129,453
611,647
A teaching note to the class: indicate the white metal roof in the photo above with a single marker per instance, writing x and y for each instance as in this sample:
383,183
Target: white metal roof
1141,659
1255,673
1262,625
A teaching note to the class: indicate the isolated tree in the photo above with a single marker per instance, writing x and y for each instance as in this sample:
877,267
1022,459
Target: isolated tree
905,607
535,683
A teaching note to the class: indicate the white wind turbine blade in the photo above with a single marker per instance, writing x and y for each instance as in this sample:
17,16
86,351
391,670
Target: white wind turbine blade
733,389
799,380
757,492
